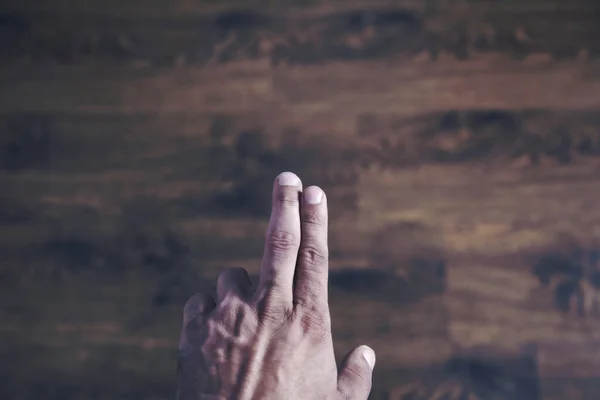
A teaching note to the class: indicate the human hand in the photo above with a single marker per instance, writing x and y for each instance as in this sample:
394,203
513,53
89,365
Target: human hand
274,342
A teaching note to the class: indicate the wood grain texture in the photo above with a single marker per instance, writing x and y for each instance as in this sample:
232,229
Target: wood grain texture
458,143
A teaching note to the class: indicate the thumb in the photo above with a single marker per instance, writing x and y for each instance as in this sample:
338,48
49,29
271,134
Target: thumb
355,377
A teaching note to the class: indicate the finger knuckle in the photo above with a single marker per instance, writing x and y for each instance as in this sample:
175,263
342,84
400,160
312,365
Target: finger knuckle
232,303
236,316
315,324
277,321
283,241
269,306
275,318
313,217
359,376
314,255
288,196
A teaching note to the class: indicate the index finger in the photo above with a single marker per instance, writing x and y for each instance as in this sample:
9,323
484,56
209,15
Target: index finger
282,241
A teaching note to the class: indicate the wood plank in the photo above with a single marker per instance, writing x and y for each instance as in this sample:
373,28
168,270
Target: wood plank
140,8
228,32
570,360
177,8
473,225
307,93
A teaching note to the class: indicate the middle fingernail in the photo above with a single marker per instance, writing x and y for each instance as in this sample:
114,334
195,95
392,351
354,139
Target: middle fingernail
313,195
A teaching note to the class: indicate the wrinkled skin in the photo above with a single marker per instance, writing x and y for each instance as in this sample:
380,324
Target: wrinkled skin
273,342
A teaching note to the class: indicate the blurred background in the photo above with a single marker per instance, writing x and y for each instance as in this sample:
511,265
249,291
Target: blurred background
458,142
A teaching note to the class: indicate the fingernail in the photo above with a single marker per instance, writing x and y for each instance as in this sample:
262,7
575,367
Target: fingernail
369,355
288,179
312,195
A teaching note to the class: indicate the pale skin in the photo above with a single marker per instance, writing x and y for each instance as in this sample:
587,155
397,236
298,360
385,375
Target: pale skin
273,341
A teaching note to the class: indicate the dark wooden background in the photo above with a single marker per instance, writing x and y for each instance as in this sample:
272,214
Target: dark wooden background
458,142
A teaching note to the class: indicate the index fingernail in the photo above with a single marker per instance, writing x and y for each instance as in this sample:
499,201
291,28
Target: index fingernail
288,179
